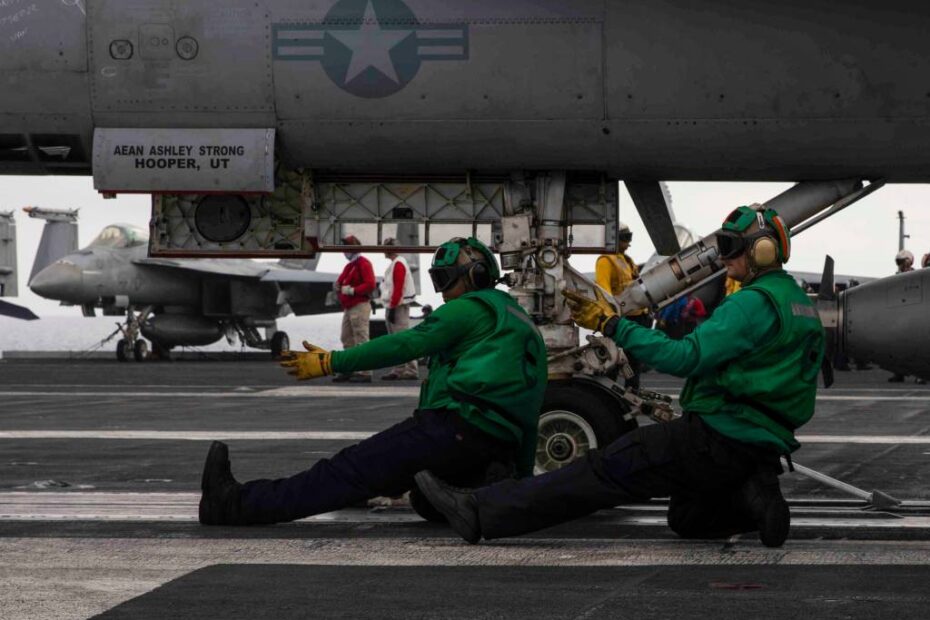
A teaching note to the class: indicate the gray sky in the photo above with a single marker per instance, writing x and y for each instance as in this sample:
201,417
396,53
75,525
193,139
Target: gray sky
863,239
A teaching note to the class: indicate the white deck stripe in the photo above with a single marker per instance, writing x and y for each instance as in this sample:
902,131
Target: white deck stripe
220,435
339,392
190,435
866,439
285,392
121,506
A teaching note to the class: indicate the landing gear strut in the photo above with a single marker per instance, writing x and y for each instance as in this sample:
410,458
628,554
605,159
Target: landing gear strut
132,345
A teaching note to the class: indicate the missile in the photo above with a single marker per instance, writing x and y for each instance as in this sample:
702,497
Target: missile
696,264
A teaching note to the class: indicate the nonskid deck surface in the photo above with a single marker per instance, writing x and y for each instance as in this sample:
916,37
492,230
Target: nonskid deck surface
100,464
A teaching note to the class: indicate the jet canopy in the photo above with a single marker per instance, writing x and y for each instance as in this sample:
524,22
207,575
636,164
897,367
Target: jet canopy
120,236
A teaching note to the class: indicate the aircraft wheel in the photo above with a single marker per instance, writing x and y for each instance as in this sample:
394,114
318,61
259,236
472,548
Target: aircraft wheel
574,420
140,351
279,344
123,350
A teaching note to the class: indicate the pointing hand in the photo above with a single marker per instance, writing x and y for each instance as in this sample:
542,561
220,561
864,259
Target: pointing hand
316,362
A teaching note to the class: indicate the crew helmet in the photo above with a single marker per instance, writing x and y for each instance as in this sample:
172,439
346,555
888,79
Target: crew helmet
759,232
467,258
904,256
623,232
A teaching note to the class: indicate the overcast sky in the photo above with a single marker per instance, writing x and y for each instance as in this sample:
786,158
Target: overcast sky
863,239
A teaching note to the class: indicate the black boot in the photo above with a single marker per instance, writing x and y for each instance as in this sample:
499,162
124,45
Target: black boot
219,504
458,505
762,498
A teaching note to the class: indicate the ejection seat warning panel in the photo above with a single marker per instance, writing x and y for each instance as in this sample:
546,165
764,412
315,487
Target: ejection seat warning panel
184,160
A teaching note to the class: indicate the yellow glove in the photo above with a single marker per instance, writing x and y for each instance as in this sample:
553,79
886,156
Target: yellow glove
316,362
593,314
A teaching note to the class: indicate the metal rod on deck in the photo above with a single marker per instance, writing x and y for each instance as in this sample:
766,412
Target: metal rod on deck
876,498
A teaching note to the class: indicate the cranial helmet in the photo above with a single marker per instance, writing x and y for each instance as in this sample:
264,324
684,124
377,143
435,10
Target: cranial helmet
464,258
757,231
623,232
904,256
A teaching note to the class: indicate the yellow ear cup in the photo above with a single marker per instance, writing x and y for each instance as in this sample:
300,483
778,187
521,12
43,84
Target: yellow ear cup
764,252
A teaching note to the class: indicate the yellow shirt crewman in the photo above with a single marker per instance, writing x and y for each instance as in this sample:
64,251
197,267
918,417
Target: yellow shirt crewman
614,273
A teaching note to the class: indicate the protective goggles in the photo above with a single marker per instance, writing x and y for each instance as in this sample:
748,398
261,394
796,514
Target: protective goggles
625,235
731,245
445,269
444,277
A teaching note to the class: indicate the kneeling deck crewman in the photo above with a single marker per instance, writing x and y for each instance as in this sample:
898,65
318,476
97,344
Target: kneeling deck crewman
752,379
478,409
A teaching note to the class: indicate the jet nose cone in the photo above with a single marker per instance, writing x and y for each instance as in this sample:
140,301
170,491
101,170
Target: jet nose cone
60,280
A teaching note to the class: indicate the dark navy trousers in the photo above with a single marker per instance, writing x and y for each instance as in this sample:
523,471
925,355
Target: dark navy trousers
384,464
699,469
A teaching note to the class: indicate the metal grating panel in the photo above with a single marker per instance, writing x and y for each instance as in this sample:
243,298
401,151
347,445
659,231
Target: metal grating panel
306,215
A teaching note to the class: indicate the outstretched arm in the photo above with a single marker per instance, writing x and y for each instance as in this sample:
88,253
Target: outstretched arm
738,326
444,327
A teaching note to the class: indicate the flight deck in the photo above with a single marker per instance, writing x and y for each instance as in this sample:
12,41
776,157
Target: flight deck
100,465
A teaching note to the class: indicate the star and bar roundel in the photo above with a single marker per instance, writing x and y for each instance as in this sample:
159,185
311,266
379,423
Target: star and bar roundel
370,48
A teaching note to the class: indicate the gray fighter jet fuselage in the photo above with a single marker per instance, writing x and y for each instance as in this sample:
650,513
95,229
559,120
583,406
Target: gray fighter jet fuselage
646,90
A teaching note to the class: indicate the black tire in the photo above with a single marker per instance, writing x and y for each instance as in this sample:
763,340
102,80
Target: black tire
123,350
280,342
140,350
576,418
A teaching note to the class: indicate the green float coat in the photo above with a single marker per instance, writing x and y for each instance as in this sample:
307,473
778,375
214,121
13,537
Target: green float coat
751,367
487,362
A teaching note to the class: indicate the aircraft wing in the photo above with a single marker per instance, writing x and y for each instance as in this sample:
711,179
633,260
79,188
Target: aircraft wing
813,278
296,276
220,267
305,291
16,312
265,272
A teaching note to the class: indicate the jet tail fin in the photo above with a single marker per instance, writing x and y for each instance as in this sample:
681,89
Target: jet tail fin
8,272
59,237
826,298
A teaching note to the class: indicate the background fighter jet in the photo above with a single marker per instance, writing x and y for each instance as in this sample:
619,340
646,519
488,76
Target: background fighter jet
172,302
8,279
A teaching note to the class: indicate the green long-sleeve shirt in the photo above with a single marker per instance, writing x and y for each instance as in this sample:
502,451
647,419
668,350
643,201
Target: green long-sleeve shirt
455,326
452,329
740,325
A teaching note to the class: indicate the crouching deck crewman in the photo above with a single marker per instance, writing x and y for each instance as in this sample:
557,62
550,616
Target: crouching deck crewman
751,381
476,419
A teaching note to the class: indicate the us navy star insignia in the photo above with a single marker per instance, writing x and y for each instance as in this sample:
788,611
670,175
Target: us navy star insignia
371,49
371,46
